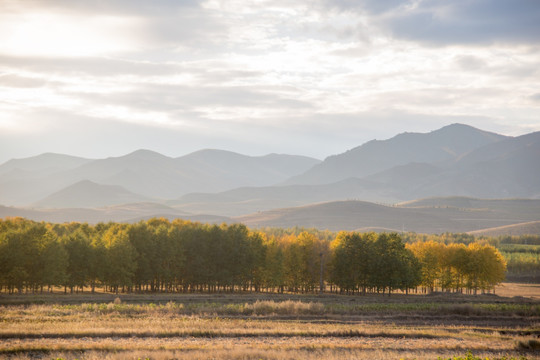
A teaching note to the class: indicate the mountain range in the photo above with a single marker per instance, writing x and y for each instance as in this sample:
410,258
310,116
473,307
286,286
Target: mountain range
145,174
376,178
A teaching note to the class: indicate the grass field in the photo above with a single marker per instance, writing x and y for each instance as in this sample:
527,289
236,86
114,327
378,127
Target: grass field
271,326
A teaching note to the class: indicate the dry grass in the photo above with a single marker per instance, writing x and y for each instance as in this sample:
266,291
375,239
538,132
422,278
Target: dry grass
267,354
268,327
531,291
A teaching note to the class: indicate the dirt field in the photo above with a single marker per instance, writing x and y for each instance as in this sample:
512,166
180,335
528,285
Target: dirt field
271,326
513,289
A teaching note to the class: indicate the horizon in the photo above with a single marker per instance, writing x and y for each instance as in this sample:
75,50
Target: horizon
232,151
311,79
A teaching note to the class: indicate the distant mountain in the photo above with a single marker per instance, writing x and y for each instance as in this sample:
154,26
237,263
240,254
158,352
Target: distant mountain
360,215
87,194
507,168
44,163
456,160
147,173
24,181
143,172
157,176
218,170
447,143
247,200
434,215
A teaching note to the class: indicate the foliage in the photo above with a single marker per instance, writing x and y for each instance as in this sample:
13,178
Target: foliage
159,255
456,266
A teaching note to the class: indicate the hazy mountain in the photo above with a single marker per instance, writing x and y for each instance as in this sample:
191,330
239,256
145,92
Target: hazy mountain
218,170
147,173
447,143
87,194
44,163
436,215
143,172
508,168
457,160
360,215
24,181
247,200
157,176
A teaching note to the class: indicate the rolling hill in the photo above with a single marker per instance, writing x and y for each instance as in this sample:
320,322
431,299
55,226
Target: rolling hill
44,163
354,215
247,200
447,143
24,181
450,170
508,168
128,213
435,215
147,173
527,228
87,194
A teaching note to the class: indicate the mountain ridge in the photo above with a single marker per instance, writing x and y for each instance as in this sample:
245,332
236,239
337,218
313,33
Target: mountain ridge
151,174
377,155
443,165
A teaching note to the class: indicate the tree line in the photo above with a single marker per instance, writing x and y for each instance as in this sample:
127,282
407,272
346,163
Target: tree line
181,256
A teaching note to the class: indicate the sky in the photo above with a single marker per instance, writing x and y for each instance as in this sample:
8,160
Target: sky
314,77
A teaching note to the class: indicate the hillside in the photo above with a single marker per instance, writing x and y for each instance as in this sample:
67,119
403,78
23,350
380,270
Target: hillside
509,168
147,173
352,215
447,143
527,228
119,213
87,194
24,181
44,163
247,200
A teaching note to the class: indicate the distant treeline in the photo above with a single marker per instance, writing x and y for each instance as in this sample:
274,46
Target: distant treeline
182,256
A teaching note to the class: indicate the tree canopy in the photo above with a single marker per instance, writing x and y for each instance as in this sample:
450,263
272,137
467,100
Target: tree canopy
160,255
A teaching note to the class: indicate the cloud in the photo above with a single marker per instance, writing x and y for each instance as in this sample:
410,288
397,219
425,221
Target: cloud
90,66
535,97
312,77
371,6
16,81
442,22
470,63
438,22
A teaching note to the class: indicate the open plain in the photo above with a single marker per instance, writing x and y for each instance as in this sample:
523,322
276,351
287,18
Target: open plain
271,326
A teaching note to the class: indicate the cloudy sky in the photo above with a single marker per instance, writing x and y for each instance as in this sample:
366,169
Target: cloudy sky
314,77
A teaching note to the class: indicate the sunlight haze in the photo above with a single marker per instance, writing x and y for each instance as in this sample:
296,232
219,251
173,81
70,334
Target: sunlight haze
311,78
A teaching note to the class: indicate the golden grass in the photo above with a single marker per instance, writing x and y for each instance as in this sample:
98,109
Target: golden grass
271,327
267,354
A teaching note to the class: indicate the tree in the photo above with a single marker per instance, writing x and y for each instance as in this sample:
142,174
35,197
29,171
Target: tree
79,250
120,255
429,255
352,261
53,261
18,255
